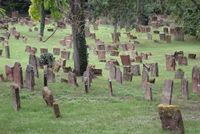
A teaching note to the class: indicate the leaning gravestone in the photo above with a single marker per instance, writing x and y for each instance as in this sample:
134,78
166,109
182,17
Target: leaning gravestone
171,118
167,92
15,97
34,62
184,88
30,79
48,96
196,79
18,74
192,56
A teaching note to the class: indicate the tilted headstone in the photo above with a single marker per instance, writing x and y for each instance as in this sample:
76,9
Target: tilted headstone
34,62
29,79
114,53
185,88
18,74
167,92
48,96
171,118
170,63
135,70
138,59
15,97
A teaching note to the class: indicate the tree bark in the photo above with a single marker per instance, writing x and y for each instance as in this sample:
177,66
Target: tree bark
42,20
78,33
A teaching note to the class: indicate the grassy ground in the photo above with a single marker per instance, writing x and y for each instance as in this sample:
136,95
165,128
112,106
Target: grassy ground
96,113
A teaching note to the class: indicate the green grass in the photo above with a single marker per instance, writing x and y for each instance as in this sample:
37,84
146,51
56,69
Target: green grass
96,113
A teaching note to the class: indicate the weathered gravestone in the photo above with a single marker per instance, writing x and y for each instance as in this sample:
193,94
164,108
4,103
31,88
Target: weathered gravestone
50,75
112,71
166,30
119,78
15,97
168,38
34,63
9,72
127,75
65,55
43,50
162,36
135,70
149,36
179,34
29,79
125,59
185,88
48,96
138,59
72,80
56,66
167,92
18,74
56,51
7,51
170,63
179,74
196,79
171,118
145,76
183,61
154,69
56,110
101,47
88,75
148,92
101,55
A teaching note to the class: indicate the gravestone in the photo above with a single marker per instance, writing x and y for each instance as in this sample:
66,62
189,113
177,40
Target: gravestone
162,36
145,77
127,75
34,63
50,75
183,61
29,79
119,78
15,97
170,63
185,88
138,59
9,72
56,51
7,51
135,70
72,80
171,118
196,79
56,66
101,47
148,92
179,74
154,69
125,59
149,36
101,55
87,78
65,55
192,56
167,92
133,55
168,38
18,74
112,71
179,34
48,96
43,50
56,110
166,30
114,53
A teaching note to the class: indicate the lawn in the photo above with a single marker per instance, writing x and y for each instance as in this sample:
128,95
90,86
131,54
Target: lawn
127,112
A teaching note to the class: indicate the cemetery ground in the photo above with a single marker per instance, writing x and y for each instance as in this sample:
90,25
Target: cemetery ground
96,112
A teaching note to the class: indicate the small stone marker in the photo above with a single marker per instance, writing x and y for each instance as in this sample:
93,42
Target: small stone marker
185,88
127,75
168,38
171,118
148,92
48,96
15,97
167,92
56,110
149,36
179,34
162,36
145,77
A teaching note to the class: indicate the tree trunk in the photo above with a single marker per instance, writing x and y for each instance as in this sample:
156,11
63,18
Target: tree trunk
42,21
78,33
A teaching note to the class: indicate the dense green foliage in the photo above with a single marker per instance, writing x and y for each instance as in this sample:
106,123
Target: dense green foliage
47,59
